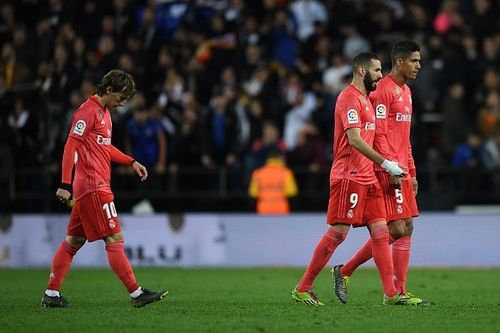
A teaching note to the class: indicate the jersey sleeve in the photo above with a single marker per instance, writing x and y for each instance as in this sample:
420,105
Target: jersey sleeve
349,111
381,100
118,157
83,122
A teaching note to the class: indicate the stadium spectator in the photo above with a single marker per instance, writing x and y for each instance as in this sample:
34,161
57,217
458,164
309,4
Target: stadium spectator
146,140
51,48
272,184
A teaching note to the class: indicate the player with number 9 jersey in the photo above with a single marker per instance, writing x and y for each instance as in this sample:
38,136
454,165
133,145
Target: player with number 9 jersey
355,195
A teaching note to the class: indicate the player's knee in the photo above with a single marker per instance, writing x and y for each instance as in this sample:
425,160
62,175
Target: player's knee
338,232
397,229
409,227
118,237
75,241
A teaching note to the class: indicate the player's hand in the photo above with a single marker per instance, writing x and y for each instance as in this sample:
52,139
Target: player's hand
140,170
415,185
392,168
65,197
396,182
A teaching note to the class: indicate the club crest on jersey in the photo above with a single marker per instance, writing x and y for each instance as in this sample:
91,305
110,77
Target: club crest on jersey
350,214
381,111
352,116
79,127
369,126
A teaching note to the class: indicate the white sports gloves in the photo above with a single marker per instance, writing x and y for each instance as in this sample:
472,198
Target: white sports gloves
392,168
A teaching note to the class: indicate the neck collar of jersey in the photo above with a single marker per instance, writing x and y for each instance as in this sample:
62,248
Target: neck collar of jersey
359,91
94,99
394,80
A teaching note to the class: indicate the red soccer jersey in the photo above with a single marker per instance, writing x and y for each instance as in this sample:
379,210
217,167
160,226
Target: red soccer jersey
92,126
353,109
393,110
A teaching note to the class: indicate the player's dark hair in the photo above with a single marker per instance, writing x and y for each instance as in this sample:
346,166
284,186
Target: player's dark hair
119,81
403,49
363,59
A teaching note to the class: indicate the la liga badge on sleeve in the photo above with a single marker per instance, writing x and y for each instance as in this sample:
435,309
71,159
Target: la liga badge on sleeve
80,127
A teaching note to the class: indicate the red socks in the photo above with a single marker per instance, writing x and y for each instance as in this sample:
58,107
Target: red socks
121,266
322,254
383,260
61,263
363,255
400,259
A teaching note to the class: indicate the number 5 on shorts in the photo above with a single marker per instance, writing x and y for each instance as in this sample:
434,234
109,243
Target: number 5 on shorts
110,209
399,196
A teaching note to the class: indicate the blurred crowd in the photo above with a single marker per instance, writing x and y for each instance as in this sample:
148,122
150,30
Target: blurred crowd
222,82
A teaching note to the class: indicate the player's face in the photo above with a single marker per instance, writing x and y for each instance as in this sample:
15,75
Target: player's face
373,75
410,66
115,99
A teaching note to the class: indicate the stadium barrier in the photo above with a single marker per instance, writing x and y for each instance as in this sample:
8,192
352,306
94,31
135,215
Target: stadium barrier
239,240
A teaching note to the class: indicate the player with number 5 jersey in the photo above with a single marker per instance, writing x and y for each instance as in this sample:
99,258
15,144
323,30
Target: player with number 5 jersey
90,152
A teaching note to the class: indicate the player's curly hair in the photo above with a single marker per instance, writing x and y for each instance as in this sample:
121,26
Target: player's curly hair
403,49
119,81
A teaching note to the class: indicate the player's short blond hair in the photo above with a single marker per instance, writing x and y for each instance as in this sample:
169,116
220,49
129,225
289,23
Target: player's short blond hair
119,81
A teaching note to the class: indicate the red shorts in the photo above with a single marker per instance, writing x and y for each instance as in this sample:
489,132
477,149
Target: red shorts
399,203
94,217
355,204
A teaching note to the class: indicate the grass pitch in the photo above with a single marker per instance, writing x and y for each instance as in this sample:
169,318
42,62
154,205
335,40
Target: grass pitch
249,300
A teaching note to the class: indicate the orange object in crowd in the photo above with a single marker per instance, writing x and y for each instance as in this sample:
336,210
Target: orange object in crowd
271,185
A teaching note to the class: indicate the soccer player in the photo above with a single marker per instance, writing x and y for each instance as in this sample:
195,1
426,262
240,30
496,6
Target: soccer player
355,195
393,109
94,215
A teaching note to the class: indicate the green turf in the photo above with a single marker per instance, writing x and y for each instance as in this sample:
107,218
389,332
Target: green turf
249,300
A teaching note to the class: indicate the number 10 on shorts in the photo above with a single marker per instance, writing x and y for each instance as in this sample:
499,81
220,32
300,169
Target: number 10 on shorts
110,210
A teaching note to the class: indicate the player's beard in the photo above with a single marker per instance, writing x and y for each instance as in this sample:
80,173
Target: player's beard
370,84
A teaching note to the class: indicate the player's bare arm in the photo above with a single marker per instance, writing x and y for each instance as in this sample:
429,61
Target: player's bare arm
355,140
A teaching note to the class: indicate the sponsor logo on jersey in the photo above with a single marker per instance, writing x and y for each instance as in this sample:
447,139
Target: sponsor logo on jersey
101,140
352,116
103,122
403,117
79,127
381,111
369,126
